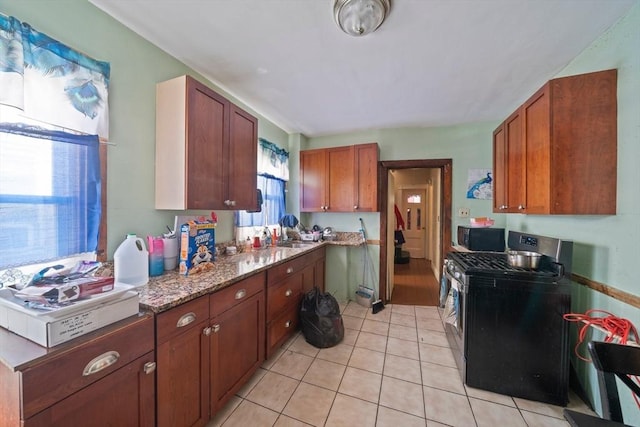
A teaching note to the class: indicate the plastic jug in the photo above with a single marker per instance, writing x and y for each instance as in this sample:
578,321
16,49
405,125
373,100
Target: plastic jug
156,255
131,262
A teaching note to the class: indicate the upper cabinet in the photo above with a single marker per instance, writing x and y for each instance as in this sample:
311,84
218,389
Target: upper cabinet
206,149
557,154
339,179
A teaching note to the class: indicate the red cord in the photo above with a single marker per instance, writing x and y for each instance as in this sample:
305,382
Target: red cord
615,327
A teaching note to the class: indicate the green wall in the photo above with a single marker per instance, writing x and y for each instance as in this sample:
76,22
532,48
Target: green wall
136,67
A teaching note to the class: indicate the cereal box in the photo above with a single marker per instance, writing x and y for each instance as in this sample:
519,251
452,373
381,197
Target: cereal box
197,246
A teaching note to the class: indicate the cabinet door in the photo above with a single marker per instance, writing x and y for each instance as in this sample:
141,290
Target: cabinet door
516,163
123,398
237,348
183,364
366,175
207,131
536,122
242,153
341,179
499,170
313,180
183,379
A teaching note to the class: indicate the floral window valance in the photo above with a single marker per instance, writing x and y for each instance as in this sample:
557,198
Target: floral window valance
51,82
272,160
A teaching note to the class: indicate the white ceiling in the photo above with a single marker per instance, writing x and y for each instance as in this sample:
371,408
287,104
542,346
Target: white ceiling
431,63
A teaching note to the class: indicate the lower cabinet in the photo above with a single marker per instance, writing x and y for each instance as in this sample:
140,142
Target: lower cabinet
106,378
183,364
210,347
207,349
237,337
123,398
286,285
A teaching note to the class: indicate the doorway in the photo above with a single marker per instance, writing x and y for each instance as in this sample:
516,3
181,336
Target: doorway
438,239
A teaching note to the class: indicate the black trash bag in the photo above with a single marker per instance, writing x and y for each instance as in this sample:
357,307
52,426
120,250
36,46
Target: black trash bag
321,320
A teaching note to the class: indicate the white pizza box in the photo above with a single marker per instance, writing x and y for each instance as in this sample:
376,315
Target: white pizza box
49,329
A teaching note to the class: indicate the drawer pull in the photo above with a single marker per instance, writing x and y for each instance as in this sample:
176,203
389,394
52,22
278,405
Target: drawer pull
287,324
206,331
241,293
289,270
101,362
149,367
185,320
216,328
288,293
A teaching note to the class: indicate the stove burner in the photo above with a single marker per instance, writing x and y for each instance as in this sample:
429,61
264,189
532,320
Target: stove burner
496,263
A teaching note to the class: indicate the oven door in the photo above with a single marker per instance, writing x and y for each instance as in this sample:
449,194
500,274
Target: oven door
454,320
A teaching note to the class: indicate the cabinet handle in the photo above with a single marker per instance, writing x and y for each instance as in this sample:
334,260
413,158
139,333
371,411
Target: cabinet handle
355,207
241,293
503,207
206,331
185,320
521,207
149,367
233,203
288,293
216,328
101,362
287,324
289,270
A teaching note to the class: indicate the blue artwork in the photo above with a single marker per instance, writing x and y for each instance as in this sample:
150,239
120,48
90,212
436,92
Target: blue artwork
480,184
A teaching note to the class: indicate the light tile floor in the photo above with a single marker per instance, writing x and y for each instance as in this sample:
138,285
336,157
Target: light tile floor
393,368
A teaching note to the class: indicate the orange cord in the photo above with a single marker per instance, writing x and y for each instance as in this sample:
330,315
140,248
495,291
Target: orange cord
615,327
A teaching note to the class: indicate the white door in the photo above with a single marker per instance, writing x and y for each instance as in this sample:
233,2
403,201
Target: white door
413,209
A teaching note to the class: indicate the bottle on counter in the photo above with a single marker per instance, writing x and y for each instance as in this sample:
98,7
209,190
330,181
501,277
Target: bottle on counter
156,256
131,262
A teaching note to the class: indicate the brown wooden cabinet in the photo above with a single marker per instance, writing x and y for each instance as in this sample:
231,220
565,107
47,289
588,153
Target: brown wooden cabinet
104,378
286,285
339,179
183,348
366,175
509,166
557,154
237,337
206,149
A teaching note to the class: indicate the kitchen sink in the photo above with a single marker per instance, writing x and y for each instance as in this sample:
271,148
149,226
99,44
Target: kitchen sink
296,244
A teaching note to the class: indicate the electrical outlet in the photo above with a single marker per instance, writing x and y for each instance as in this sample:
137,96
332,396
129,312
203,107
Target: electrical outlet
463,212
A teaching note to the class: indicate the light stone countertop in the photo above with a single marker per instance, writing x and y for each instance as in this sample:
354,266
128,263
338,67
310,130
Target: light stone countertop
172,289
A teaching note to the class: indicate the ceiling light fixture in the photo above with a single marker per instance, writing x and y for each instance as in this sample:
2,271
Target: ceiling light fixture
360,17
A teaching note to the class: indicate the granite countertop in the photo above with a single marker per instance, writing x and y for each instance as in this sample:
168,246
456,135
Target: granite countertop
172,289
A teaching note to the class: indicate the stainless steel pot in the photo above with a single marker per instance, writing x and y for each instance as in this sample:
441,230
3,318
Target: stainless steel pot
524,259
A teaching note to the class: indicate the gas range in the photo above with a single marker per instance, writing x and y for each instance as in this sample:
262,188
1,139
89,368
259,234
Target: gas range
505,324
554,265
495,264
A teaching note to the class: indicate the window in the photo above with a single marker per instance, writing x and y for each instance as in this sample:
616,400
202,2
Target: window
50,194
273,204
273,173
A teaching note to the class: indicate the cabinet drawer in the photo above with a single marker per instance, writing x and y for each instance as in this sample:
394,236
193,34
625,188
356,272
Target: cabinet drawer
58,377
223,300
281,328
177,320
288,291
289,268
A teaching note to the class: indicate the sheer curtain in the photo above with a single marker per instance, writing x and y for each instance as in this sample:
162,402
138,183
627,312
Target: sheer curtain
49,194
273,174
51,82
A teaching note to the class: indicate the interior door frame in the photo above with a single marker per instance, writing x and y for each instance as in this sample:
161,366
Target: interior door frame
446,171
